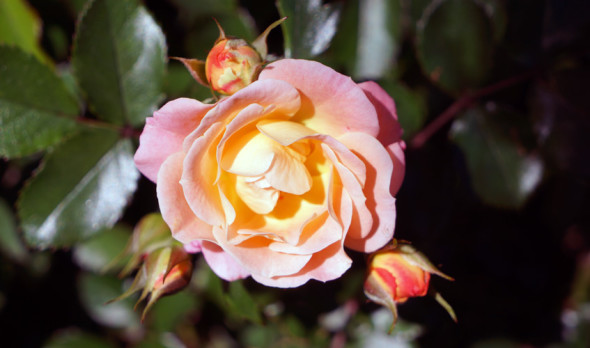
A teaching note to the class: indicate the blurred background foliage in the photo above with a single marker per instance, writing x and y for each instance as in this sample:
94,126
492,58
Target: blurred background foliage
491,95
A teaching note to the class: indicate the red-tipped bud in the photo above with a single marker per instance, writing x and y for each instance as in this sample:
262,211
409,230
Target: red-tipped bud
397,273
231,65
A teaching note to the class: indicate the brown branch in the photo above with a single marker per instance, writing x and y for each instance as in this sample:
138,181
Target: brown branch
466,100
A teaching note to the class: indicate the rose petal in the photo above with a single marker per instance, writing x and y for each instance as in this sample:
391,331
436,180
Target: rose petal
260,200
396,151
255,256
326,265
380,202
287,133
183,223
331,102
362,220
317,234
390,131
249,114
279,94
223,264
164,133
198,177
251,154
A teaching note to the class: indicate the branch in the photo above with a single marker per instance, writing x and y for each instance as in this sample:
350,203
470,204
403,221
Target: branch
466,100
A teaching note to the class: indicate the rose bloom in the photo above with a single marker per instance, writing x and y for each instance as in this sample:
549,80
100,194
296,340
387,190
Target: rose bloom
275,180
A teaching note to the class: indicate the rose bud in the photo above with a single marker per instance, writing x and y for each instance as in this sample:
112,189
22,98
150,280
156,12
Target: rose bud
231,65
397,273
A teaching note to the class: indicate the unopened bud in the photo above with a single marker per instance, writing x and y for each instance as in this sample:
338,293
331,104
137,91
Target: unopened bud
231,65
397,273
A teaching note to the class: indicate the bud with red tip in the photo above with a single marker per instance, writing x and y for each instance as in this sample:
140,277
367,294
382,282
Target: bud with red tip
232,63
399,272
165,267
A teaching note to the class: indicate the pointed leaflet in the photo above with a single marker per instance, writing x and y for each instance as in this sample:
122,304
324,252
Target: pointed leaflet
36,109
83,186
309,28
503,173
119,60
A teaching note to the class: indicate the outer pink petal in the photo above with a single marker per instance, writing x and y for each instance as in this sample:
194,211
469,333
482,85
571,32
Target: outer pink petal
396,151
279,94
380,202
183,223
223,264
163,134
198,178
255,256
390,130
326,265
331,102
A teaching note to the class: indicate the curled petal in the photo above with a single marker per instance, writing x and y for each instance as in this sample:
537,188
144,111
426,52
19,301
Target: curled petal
255,256
380,202
198,177
318,233
183,223
396,151
164,133
362,220
280,95
223,264
390,131
326,265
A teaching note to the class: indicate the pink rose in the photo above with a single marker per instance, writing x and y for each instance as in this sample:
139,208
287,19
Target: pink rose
274,181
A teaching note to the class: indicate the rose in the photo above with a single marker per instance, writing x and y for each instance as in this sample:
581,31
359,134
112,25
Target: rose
274,180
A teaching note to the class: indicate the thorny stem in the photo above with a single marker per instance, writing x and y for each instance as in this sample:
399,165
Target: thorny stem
422,137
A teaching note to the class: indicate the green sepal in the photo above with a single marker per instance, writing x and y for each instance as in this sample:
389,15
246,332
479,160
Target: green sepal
260,43
196,68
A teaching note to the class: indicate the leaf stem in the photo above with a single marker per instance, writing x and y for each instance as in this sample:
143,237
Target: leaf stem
466,100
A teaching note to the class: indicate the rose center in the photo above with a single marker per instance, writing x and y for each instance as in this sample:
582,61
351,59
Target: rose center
264,168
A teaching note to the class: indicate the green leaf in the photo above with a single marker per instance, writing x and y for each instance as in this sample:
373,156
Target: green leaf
119,60
241,302
83,186
76,339
455,44
96,290
309,28
20,26
98,251
36,108
10,242
378,38
503,173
